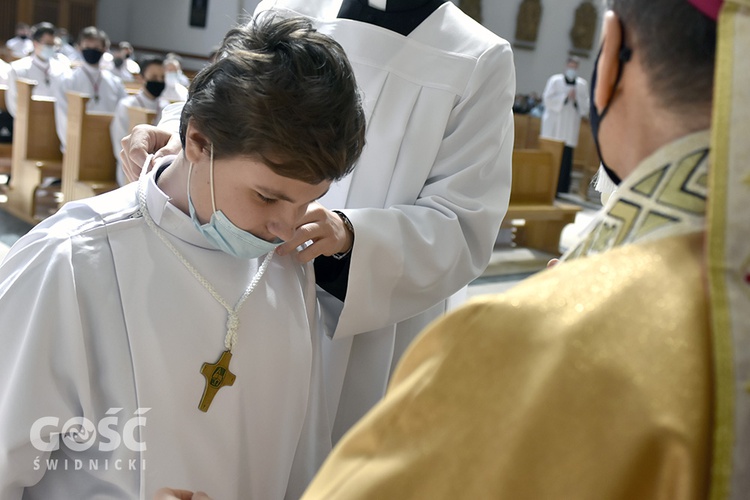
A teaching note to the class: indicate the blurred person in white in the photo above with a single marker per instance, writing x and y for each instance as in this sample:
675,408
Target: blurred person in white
151,78
20,45
566,101
41,66
174,91
104,88
124,64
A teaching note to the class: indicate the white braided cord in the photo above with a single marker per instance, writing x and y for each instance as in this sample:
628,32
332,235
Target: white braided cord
233,320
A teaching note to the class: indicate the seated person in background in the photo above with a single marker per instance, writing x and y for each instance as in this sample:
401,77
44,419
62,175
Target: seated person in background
123,63
181,78
266,130
152,81
41,66
65,47
174,91
104,88
20,45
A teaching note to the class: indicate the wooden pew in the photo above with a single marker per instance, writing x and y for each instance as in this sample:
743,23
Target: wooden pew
138,116
36,151
526,131
534,214
89,167
132,88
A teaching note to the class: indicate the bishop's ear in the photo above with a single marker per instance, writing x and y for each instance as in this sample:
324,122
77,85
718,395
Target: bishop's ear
606,69
197,145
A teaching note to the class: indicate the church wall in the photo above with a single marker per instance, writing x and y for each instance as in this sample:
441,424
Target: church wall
164,24
534,67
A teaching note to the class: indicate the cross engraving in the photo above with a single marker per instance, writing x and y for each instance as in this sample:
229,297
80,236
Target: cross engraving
217,376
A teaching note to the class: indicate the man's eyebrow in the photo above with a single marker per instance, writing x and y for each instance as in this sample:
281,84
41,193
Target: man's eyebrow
270,193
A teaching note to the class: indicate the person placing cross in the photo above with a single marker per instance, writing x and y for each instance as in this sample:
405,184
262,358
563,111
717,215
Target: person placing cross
116,310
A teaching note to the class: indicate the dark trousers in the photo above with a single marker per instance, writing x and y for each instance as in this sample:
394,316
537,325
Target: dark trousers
566,166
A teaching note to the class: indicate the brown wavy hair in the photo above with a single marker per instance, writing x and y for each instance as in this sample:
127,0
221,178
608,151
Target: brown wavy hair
281,91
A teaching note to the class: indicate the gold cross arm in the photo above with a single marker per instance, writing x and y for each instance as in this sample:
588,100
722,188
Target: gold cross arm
217,376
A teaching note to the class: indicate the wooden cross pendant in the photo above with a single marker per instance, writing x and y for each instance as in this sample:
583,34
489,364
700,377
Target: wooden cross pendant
217,376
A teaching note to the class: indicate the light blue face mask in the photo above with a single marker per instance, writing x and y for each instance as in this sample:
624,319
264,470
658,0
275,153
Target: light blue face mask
222,233
48,52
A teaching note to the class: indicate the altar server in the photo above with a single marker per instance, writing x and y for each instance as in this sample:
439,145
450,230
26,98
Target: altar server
152,86
42,66
429,192
104,89
151,334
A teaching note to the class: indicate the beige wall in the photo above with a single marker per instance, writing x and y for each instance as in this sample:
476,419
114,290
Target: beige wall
164,24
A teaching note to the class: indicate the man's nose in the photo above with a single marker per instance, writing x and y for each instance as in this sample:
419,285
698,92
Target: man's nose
285,224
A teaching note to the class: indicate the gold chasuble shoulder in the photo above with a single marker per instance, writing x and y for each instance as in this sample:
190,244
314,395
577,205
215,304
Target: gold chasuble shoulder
552,399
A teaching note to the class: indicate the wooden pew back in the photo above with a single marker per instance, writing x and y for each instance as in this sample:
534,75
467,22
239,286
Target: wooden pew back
34,125
526,131
139,116
89,167
536,217
132,88
36,149
534,177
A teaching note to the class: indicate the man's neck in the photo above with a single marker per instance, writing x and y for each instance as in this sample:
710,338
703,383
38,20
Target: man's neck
173,182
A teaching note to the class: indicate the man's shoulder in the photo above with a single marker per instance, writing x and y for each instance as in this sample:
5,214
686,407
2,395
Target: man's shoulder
623,288
466,31
76,224
23,64
636,299
82,217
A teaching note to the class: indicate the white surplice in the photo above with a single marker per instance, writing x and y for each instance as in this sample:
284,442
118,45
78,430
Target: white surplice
47,75
120,126
92,81
438,160
100,319
562,116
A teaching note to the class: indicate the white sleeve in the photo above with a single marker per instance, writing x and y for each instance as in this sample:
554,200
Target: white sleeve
554,95
43,359
61,111
119,128
407,258
170,117
11,95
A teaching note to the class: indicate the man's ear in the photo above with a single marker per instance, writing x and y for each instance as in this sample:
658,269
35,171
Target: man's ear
606,69
196,144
